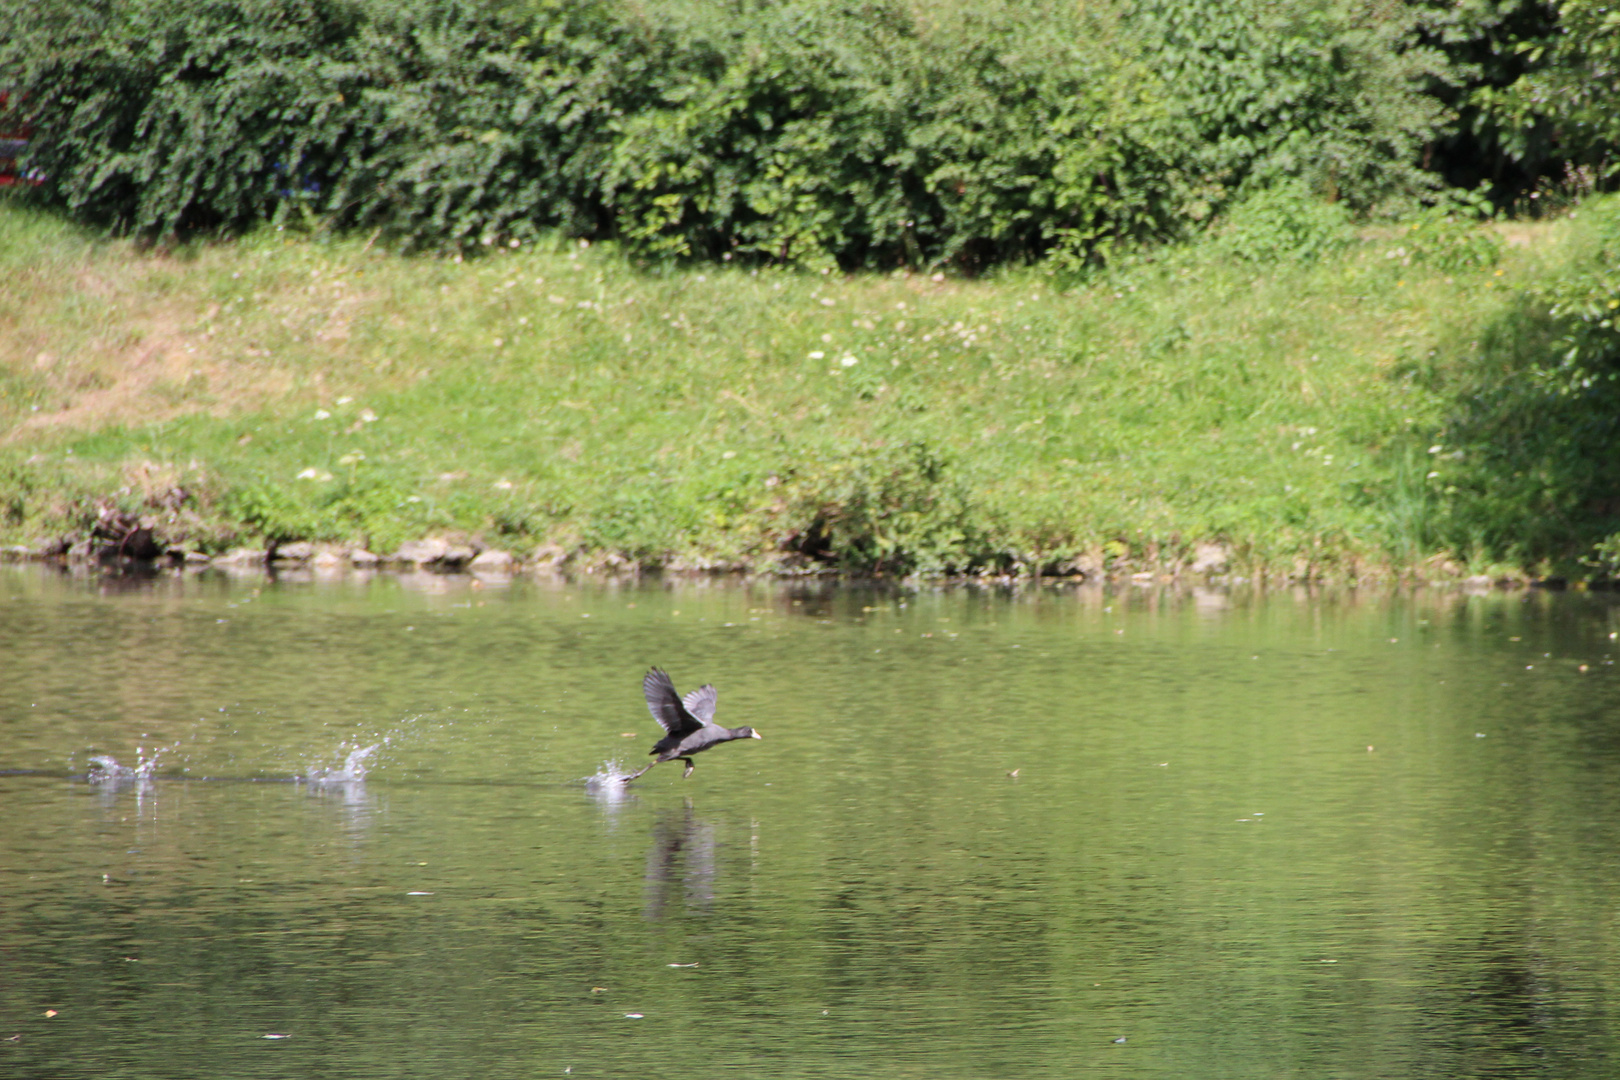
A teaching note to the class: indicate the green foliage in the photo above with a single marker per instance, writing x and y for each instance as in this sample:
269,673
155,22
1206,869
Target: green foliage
802,131
1605,557
364,509
423,117
271,511
1407,502
635,520
1326,92
864,132
1284,223
19,487
799,131
1446,234
1568,94
892,510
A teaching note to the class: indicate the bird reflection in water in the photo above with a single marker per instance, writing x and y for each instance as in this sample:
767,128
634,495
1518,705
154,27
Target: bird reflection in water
682,857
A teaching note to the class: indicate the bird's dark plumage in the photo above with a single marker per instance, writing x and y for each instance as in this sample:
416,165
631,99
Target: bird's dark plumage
688,723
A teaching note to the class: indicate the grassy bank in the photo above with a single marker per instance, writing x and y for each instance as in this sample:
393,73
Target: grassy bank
556,399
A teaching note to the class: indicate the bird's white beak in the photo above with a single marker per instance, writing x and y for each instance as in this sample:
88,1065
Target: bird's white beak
756,735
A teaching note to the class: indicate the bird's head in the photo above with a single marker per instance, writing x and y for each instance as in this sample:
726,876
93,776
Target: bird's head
751,733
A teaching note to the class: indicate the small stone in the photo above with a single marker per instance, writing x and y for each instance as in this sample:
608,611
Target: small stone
197,558
299,551
492,561
1210,559
1088,566
241,555
56,548
421,552
362,557
458,555
327,560
550,555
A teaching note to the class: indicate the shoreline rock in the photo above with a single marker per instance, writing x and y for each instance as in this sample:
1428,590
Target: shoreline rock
492,562
1208,563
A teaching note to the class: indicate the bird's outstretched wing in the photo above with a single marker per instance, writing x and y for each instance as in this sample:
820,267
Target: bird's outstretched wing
700,703
665,704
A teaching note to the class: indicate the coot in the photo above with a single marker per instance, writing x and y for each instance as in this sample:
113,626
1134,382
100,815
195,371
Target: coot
688,723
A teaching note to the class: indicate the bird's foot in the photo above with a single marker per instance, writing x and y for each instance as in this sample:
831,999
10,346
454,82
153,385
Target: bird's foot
688,771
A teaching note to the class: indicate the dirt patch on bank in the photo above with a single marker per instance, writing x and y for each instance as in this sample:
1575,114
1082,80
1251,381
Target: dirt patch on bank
116,346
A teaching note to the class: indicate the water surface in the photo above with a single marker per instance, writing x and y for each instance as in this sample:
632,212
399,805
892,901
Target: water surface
1249,835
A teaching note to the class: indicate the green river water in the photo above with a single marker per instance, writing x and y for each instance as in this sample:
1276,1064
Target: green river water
1249,835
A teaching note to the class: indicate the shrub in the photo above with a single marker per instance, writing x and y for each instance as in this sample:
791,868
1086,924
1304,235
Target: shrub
1564,102
1447,234
888,510
356,508
862,131
1284,223
1328,93
419,117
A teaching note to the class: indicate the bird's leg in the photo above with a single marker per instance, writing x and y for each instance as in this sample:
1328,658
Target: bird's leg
638,772
688,771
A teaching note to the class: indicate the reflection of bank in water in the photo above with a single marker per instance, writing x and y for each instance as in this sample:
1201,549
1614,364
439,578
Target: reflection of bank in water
682,854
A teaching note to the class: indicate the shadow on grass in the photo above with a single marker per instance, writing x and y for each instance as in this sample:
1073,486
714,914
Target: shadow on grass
1527,463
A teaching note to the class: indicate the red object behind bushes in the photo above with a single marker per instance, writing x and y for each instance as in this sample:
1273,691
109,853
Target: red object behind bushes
13,142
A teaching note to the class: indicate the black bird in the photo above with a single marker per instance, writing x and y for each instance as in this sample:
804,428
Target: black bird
689,723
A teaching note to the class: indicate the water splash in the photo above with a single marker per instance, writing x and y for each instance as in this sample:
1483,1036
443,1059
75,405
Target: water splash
106,769
352,771
608,784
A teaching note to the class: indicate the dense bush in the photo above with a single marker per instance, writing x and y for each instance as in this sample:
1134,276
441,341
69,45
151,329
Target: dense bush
1562,105
1325,92
801,130
796,129
426,118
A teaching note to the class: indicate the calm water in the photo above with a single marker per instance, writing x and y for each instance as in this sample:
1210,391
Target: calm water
1279,836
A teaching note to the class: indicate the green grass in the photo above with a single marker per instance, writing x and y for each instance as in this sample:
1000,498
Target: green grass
565,398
